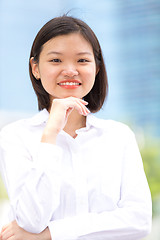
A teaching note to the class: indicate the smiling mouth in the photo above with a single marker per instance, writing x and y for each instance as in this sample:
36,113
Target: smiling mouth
69,84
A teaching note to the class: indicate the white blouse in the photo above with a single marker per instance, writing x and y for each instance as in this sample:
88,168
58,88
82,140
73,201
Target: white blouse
92,187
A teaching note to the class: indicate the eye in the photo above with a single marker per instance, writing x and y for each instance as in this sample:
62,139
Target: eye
56,60
83,60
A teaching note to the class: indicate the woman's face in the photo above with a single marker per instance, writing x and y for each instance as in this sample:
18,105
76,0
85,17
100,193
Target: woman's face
66,66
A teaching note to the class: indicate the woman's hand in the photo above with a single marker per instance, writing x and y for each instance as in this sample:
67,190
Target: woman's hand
12,231
59,112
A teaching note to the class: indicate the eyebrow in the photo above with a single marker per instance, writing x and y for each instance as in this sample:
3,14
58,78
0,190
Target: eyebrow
59,53
81,53
54,53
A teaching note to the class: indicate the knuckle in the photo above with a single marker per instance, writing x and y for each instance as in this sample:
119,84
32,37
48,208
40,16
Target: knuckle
2,237
54,101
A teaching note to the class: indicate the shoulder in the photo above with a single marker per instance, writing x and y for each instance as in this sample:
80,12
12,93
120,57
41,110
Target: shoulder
116,131
111,127
23,125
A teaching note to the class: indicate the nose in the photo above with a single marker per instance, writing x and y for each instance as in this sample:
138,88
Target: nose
69,72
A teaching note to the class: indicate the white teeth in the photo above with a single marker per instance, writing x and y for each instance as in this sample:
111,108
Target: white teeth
69,83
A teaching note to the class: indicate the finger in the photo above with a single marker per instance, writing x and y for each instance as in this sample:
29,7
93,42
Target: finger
84,110
11,238
5,226
77,99
8,230
79,107
69,103
76,104
6,234
84,102
69,110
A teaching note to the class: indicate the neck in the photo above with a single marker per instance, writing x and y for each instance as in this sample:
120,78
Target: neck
75,121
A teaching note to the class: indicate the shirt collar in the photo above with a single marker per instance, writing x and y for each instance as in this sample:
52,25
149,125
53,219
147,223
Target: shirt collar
94,121
42,117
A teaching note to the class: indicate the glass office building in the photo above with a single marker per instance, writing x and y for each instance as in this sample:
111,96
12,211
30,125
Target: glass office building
138,33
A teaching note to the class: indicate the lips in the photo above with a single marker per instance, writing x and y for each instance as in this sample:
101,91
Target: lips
69,84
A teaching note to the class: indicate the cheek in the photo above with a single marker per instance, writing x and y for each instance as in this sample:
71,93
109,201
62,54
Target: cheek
48,82
46,73
47,76
90,76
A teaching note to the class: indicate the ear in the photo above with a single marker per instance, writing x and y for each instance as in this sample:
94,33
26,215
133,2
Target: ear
35,69
97,70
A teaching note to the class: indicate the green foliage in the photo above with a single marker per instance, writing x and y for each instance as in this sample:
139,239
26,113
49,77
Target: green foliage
150,152
3,192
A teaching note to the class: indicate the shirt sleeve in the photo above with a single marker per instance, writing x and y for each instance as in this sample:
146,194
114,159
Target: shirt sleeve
132,217
33,185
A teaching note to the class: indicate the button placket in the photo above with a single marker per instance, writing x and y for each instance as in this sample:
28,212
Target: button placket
80,180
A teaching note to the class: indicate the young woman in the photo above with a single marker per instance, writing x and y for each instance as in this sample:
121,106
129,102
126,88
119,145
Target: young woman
70,175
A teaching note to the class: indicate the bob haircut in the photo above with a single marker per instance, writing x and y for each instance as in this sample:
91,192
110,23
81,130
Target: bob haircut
61,26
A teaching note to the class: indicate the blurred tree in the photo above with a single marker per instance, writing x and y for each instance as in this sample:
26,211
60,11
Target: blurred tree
150,152
3,192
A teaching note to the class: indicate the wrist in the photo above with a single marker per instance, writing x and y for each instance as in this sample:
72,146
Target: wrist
44,235
49,136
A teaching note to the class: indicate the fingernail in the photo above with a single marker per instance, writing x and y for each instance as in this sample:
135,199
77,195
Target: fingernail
88,110
86,103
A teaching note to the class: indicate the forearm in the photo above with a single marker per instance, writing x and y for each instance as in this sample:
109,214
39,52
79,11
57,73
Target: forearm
34,189
45,235
48,138
117,224
37,199
12,230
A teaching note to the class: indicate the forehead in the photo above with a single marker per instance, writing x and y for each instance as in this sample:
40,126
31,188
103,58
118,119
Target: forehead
70,42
